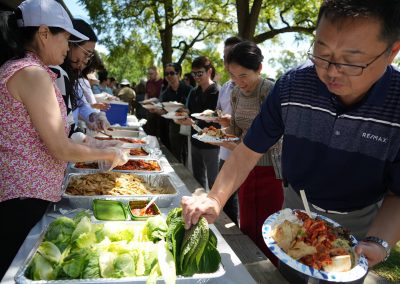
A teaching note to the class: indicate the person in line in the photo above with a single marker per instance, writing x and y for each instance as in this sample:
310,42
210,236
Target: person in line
88,78
34,146
204,96
153,90
103,86
261,194
339,117
189,80
128,95
176,91
231,207
140,90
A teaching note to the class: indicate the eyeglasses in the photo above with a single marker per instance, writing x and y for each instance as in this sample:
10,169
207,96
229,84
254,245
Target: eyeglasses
346,69
197,74
171,73
88,54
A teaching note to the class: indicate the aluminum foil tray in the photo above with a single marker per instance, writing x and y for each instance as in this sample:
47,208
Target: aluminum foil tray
74,169
164,200
21,279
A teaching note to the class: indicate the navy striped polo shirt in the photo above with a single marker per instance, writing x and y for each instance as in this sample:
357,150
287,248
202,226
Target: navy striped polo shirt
345,158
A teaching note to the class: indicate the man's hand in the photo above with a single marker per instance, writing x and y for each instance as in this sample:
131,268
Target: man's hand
196,206
374,252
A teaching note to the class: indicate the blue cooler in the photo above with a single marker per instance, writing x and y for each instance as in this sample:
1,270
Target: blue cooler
118,113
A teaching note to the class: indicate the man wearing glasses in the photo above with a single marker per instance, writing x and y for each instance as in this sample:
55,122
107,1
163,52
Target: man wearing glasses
340,118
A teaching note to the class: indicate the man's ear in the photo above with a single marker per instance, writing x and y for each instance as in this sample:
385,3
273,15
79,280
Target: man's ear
394,50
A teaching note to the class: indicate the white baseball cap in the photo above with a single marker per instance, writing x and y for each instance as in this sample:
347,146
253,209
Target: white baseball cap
46,12
125,82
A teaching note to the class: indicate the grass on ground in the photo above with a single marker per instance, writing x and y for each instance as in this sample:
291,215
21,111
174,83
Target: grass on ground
390,269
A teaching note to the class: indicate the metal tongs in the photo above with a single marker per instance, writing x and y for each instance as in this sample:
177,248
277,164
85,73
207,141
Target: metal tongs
103,132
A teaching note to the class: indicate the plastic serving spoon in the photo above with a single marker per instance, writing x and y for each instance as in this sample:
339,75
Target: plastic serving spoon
149,204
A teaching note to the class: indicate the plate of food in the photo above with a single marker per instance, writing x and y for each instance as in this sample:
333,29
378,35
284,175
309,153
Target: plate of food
175,115
152,106
314,245
207,115
212,134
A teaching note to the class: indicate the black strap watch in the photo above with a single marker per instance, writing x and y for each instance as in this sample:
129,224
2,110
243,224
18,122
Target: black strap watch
380,242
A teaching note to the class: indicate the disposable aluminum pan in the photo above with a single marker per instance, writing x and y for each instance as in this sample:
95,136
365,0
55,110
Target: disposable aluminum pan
21,279
163,181
79,170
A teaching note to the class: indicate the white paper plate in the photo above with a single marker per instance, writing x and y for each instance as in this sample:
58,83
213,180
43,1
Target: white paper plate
355,273
152,106
172,104
171,115
207,138
205,118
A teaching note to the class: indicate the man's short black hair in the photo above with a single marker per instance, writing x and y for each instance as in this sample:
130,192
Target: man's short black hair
387,12
232,40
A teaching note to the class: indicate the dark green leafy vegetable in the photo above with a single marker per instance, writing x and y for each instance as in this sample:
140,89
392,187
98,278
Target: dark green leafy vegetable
194,250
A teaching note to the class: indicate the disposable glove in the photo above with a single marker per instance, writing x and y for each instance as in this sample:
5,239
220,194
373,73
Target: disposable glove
121,158
81,138
99,121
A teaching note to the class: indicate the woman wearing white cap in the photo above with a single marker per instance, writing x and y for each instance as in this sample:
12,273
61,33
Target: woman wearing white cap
34,146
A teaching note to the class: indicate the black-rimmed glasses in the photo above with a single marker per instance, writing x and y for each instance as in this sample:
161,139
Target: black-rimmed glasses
197,74
344,68
88,54
171,73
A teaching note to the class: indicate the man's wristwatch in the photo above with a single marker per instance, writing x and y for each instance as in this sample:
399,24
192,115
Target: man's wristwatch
381,242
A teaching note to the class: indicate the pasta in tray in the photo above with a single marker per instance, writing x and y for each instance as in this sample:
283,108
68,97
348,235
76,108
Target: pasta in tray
111,183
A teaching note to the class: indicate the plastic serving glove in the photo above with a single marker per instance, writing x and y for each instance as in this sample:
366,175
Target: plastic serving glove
81,138
121,158
99,122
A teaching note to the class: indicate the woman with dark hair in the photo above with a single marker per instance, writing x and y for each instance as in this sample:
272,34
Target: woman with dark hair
203,97
33,139
81,53
84,83
175,91
189,80
261,194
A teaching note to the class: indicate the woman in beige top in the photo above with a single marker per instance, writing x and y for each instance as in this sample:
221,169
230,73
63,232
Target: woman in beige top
261,194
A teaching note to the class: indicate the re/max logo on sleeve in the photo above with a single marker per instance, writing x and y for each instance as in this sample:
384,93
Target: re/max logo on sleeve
376,138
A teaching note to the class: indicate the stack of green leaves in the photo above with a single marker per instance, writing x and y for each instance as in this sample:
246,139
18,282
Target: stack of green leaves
194,250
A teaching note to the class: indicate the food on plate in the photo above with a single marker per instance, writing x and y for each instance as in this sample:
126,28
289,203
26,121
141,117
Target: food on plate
209,113
180,113
216,133
111,183
123,139
315,242
140,165
138,152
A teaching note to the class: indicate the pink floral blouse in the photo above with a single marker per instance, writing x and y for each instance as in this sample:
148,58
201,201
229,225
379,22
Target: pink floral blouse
27,168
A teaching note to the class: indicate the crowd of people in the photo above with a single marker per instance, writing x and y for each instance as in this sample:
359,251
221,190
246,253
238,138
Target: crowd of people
337,115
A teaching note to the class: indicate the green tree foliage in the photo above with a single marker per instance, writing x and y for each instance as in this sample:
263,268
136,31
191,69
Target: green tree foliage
157,23
286,61
172,29
129,60
261,20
